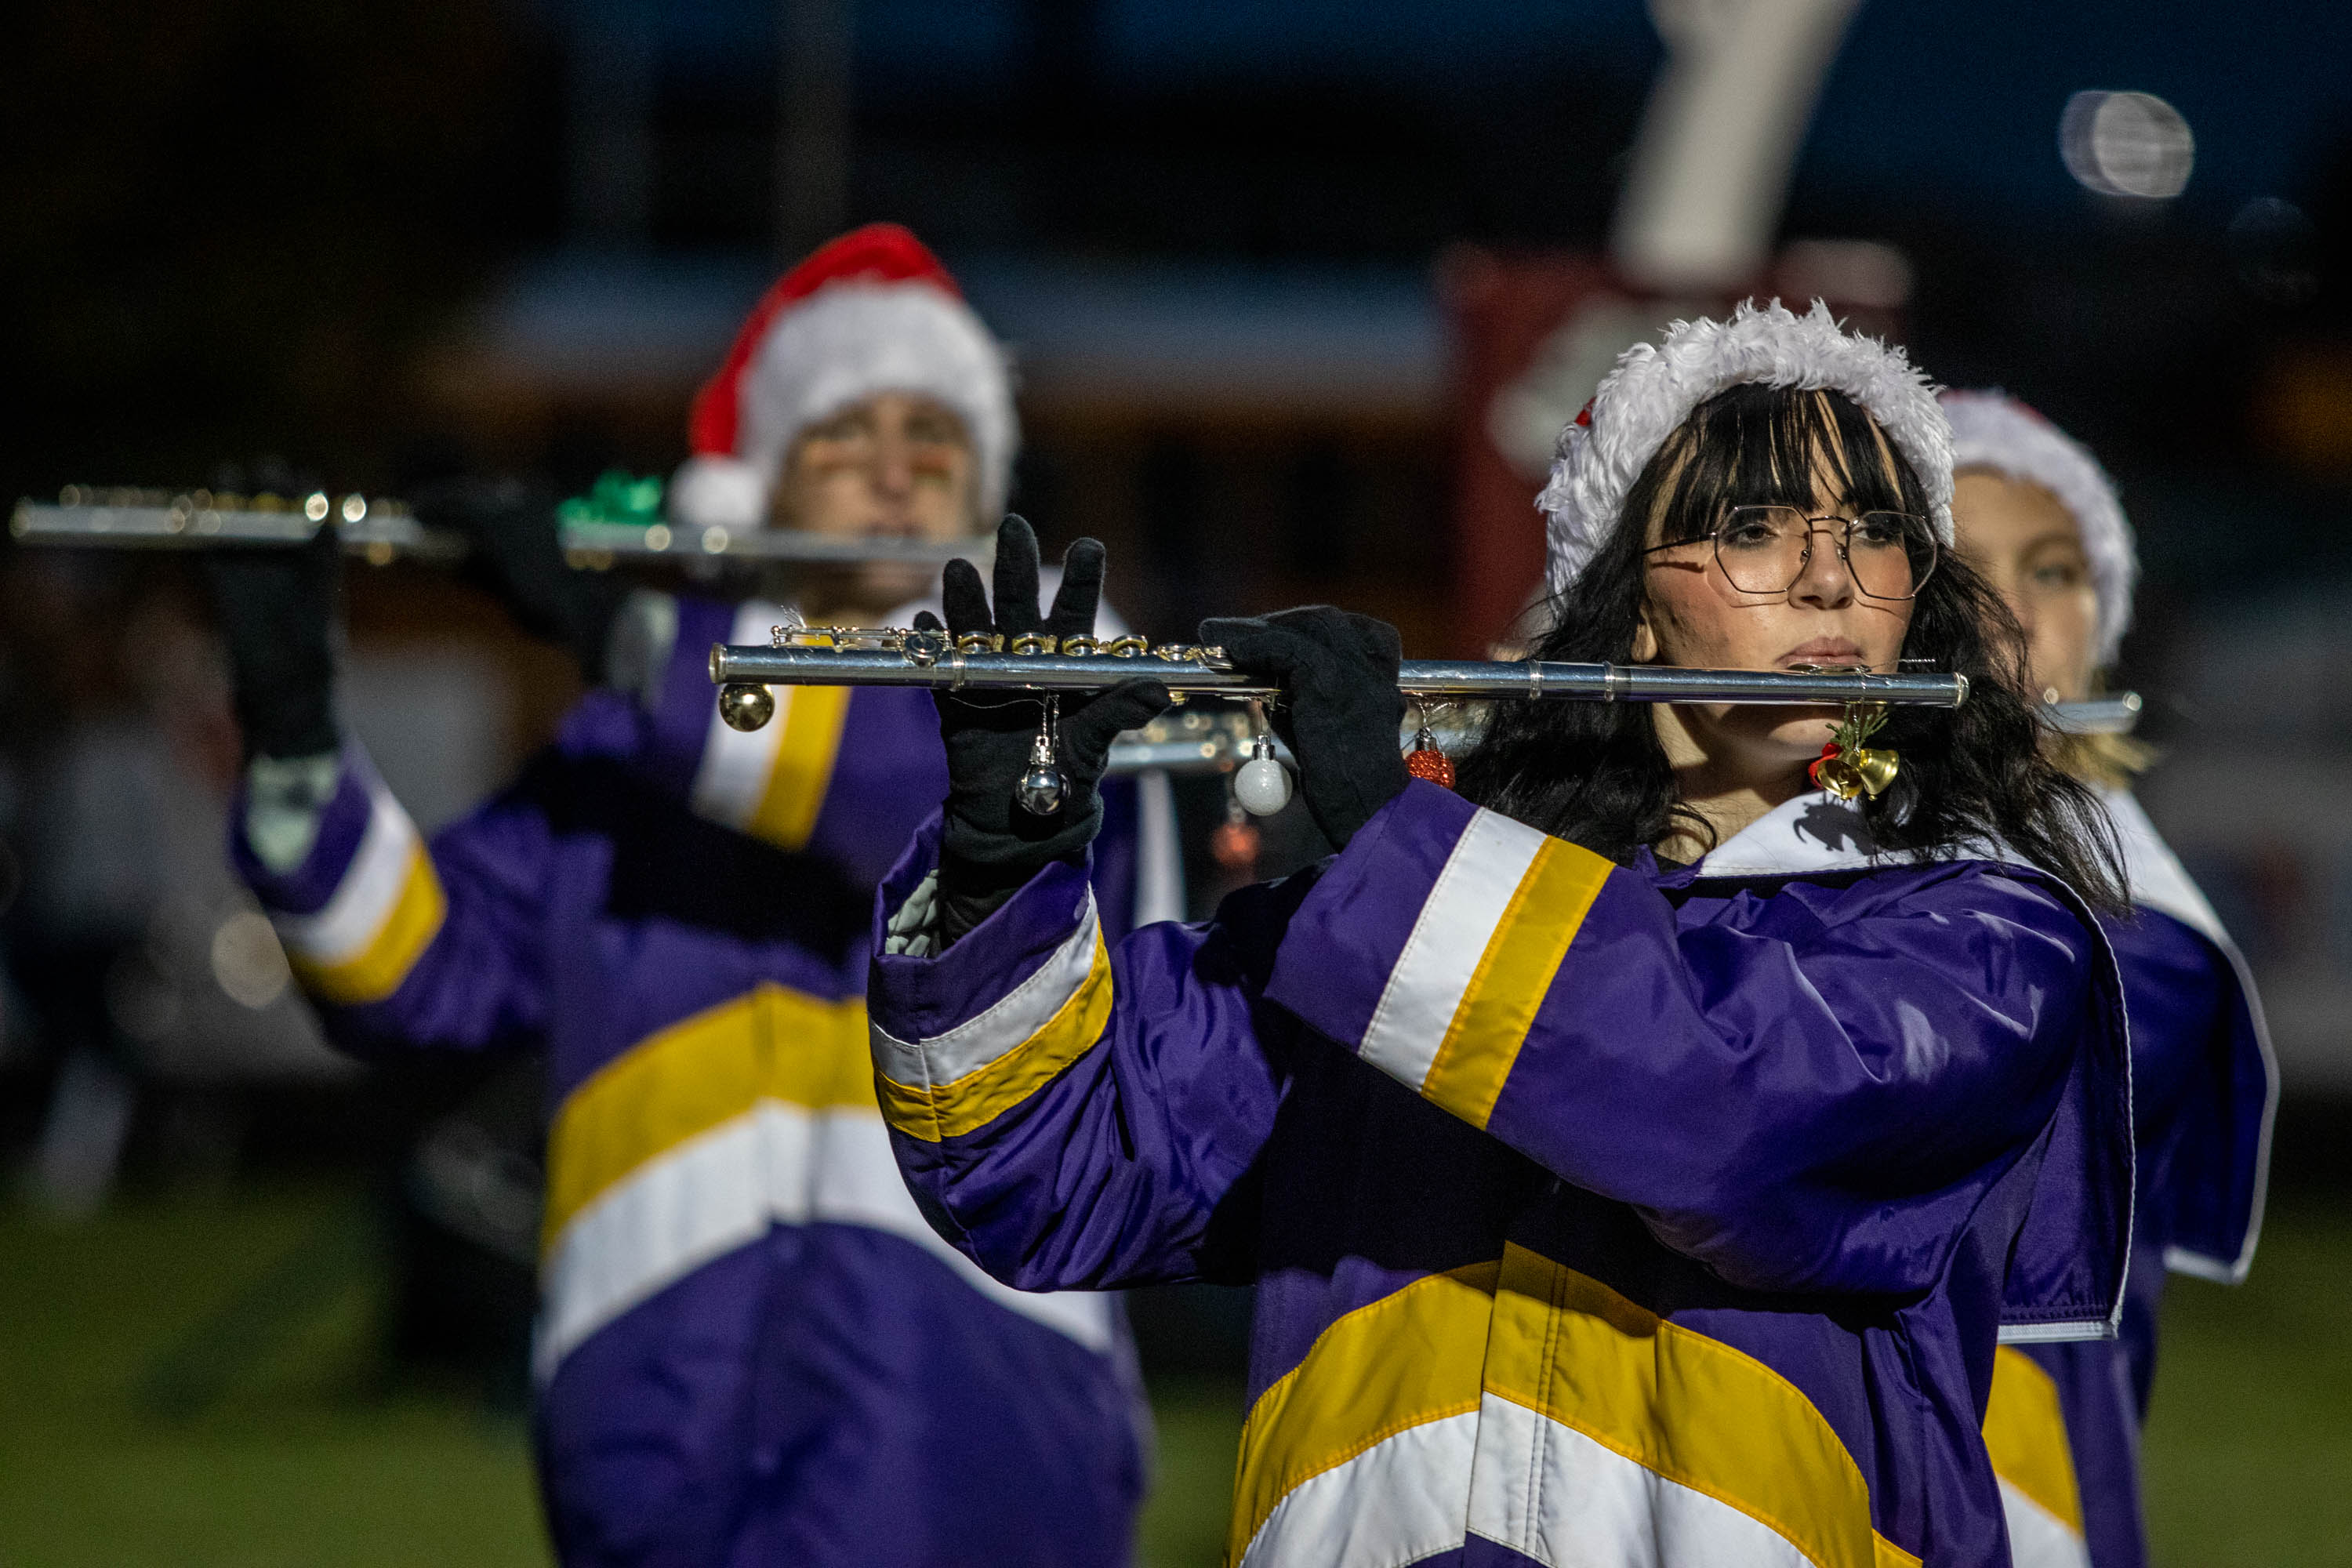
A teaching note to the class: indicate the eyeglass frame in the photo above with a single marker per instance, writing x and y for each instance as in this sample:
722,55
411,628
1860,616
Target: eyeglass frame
1714,539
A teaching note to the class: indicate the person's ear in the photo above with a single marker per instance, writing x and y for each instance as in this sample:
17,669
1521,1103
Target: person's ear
1645,639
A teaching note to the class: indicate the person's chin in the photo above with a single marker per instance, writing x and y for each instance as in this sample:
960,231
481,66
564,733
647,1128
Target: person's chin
1802,737
892,585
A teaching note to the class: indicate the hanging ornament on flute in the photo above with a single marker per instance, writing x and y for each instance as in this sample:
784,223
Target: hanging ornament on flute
1427,760
1848,768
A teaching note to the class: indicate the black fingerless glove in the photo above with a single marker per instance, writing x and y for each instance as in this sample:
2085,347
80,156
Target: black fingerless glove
515,553
277,614
992,845
1341,709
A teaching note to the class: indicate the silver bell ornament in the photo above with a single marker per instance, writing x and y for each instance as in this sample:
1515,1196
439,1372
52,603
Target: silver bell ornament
745,706
1263,784
1040,789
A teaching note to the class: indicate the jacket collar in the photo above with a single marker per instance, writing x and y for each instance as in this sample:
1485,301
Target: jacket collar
1812,834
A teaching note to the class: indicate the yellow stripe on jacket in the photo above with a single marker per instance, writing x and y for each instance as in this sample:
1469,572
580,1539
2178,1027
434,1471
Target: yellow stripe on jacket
805,752
383,915
769,1044
1682,1405
1405,1360
957,1081
1489,939
1514,972
1525,1333
772,782
2025,1434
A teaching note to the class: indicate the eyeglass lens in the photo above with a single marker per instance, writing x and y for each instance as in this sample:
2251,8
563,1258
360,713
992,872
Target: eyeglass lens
1762,550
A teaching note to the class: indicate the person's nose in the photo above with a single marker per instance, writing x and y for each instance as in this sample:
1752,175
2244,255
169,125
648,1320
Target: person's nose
894,467
1824,581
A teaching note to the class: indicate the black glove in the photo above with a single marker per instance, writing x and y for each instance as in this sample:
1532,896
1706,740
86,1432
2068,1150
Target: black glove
516,555
277,611
1341,709
992,845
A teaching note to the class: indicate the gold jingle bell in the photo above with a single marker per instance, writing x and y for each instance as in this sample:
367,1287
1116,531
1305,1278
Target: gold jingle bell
1877,770
1850,776
746,707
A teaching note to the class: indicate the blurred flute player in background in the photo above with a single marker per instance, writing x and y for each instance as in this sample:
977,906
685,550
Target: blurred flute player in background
1640,1153
752,1348
2041,521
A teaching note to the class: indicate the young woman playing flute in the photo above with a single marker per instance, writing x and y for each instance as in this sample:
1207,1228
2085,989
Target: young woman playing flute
1640,1153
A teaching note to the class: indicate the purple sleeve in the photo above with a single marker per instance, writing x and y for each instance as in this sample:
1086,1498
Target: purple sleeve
1815,1096
1069,1115
405,946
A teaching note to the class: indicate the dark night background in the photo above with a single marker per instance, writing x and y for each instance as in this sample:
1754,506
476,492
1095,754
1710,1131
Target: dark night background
383,242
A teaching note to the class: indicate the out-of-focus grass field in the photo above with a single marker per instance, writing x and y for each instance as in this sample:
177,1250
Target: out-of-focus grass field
300,1456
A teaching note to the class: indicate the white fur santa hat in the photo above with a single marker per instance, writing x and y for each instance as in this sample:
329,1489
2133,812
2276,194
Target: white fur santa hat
1993,430
872,311
1656,386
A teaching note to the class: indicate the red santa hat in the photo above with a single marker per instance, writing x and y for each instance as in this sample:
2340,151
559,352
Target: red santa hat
1993,430
869,312
1656,386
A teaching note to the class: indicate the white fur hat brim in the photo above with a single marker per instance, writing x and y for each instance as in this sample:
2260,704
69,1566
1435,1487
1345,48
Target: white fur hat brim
1994,431
1656,386
725,491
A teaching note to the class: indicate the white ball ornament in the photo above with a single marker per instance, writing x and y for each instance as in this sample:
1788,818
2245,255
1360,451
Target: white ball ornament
1262,786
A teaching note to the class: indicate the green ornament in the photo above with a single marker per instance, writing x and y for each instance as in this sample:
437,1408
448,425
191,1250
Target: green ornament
616,497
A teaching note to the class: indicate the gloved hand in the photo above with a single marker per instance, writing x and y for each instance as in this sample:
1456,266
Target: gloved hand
516,555
1341,709
276,612
992,845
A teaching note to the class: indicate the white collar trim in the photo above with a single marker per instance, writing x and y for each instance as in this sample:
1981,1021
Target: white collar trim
1815,832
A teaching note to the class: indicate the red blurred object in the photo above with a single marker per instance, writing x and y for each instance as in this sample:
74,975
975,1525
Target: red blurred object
1500,310
1234,847
1429,762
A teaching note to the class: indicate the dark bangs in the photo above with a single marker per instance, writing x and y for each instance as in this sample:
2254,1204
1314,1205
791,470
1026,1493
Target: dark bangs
1594,774
1762,446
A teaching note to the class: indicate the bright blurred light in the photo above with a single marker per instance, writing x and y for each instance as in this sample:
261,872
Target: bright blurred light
247,962
2126,144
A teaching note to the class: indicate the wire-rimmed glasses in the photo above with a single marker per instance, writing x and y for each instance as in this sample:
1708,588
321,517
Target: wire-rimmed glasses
1766,548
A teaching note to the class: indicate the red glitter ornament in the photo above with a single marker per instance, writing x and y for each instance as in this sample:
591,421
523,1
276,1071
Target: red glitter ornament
1429,762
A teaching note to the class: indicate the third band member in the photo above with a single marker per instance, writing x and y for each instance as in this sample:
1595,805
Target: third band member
2041,522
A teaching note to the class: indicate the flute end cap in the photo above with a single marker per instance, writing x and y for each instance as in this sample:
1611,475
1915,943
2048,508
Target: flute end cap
1959,689
745,706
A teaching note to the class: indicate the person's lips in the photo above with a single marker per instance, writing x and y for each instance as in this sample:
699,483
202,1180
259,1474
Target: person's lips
1823,650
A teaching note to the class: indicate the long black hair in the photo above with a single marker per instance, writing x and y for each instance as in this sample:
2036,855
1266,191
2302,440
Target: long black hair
1595,773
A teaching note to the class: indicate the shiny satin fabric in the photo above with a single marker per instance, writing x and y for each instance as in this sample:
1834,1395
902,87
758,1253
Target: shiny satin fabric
1560,1182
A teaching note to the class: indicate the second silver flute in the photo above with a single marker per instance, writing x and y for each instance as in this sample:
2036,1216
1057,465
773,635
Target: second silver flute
1033,664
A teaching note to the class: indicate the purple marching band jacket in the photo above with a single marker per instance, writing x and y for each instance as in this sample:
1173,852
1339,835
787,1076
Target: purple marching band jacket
2064,1426
1613,1215
751,1348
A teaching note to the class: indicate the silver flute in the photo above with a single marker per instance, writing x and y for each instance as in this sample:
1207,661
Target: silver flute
381,531
1191,741
863,656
